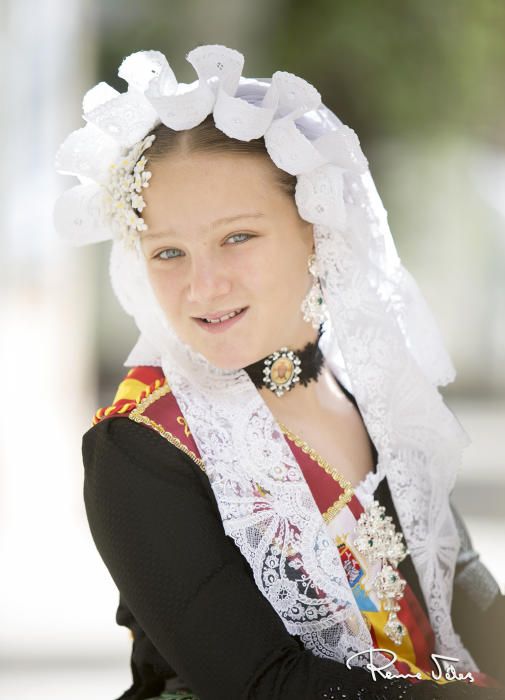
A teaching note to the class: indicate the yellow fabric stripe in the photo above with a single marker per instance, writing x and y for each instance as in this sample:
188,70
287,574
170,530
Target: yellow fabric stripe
404,651
130,389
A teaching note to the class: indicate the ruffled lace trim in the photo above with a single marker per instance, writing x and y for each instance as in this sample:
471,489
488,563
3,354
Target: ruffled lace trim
382,340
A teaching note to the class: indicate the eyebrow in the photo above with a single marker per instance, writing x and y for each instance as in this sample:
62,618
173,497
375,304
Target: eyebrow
217,222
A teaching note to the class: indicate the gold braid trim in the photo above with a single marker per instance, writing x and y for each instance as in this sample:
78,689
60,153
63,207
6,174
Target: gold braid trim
149,397
110,410
328,468
122,405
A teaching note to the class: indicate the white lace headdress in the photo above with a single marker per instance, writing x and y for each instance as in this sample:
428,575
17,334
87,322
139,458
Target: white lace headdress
381,339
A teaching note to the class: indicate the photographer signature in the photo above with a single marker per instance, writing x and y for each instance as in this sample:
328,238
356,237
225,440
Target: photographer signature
448,673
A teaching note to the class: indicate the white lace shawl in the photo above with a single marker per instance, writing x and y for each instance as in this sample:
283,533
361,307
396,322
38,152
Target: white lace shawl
381,341
418,441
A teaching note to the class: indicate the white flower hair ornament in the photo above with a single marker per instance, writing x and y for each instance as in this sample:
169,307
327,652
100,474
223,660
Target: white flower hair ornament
103,153
380,338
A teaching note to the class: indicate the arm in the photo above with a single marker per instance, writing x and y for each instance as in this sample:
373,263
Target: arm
478,607
188,586
149,669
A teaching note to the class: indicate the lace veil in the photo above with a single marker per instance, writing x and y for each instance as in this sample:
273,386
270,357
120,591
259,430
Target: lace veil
380,340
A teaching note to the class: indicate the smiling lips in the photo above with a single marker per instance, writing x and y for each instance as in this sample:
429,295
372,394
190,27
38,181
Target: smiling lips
221,321
221,315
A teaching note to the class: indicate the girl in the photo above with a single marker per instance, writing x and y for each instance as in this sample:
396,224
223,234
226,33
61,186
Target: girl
270,486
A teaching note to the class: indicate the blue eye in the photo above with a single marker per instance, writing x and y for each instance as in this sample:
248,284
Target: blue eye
160,257
248,235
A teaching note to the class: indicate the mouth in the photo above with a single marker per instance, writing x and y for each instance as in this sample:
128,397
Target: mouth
219,325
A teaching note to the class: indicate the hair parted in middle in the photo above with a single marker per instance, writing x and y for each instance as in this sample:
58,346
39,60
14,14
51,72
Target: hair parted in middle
207,138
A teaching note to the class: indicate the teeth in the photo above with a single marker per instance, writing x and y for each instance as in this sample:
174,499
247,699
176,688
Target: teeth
223,318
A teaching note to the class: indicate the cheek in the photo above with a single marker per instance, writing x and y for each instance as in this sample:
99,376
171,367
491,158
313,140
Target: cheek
164,289
280,271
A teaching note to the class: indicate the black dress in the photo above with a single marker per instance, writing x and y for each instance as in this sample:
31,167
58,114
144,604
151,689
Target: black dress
189,597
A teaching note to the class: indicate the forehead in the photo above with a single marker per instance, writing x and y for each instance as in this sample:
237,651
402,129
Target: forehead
210,170
203,187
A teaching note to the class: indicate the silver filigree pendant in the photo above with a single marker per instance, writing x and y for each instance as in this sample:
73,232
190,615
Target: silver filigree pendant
377,539
281,371
313,306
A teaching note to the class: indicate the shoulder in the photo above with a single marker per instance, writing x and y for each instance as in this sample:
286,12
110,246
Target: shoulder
142,429
121,456
133,387
144,397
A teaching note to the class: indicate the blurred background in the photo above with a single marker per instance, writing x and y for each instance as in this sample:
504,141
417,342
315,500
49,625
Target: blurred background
422,85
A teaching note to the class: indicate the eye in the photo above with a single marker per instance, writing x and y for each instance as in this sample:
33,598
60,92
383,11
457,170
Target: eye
248,235
160,256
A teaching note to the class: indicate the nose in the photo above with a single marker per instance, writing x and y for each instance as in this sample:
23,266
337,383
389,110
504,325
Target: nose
208,279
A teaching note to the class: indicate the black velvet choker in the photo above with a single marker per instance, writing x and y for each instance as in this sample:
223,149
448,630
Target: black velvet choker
283,369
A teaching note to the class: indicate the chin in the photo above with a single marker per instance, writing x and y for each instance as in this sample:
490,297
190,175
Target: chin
231,356
230,360
230,363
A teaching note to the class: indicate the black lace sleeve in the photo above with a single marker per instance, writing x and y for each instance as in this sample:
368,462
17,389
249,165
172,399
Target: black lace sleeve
156,525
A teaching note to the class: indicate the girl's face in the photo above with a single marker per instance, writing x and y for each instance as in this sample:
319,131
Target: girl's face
223,236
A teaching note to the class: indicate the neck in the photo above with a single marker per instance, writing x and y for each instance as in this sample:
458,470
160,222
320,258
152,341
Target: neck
288,367
313,395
